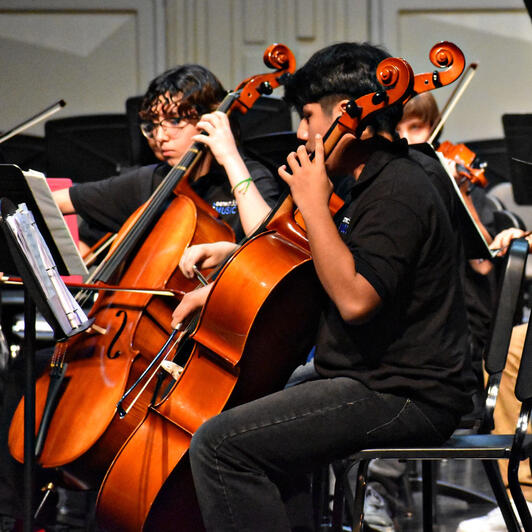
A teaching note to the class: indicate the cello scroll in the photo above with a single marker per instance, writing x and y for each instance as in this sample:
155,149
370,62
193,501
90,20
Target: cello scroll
442,55
277,56
396,77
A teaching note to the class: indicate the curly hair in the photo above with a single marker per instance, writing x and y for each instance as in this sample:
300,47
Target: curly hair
189,89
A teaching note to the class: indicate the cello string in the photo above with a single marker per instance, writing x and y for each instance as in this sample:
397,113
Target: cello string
167,349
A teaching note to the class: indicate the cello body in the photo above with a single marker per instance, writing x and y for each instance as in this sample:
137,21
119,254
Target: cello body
236,357
100,366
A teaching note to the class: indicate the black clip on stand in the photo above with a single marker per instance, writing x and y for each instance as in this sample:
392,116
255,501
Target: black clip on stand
16,263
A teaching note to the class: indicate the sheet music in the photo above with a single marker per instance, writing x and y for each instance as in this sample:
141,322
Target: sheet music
68,313
55,221
486,252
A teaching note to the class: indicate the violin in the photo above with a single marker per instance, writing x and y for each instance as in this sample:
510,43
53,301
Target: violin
468,166
89,373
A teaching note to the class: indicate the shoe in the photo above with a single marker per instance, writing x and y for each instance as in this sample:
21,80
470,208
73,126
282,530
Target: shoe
491,522
377,515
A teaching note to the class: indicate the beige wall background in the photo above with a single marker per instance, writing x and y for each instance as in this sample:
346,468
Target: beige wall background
96,53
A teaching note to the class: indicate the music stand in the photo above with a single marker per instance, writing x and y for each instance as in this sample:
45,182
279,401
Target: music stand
15,262
518,138
521,177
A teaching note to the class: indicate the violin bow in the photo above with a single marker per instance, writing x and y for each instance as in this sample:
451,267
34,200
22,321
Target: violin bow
453,99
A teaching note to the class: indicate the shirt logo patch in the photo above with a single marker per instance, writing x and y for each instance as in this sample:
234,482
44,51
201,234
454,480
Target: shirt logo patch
344,225
225,208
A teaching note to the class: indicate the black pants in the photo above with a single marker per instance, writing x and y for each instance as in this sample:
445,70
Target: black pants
243,457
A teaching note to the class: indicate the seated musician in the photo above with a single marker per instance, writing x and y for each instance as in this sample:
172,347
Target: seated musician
392,339
177,107
419,117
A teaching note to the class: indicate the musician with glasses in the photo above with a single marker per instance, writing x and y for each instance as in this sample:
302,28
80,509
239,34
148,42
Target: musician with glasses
177,110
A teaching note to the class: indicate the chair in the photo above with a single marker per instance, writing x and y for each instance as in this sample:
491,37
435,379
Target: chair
503,219
480,446
87,148
269,114
271,149
518,136
26,151
504,192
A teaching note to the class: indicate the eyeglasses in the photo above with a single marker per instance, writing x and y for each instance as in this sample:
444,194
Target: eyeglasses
168,124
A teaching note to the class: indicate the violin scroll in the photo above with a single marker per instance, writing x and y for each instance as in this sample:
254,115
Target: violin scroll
445,55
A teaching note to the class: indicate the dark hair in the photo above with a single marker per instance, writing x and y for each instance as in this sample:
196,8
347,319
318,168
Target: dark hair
192,88
342,70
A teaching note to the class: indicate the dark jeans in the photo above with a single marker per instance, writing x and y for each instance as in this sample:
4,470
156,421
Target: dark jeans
244,457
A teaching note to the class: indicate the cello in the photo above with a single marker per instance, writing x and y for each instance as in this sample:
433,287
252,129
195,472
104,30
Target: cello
225,358
129,328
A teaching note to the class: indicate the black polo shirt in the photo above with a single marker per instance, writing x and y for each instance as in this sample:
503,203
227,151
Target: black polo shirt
399,232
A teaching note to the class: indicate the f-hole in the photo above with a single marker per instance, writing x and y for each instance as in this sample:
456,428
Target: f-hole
117,335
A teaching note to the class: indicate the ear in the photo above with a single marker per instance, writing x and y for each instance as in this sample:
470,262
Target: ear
339,107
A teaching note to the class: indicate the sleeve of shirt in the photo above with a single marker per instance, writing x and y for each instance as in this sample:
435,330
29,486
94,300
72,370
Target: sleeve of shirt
108,203
385,242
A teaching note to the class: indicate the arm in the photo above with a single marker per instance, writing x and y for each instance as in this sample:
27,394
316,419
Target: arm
252,207
502,241
191,302
204,256
354,297
62,198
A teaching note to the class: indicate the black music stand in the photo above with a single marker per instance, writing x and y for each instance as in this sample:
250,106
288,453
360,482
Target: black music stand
16,263
518,139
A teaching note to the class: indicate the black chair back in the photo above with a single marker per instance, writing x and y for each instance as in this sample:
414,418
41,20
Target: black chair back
510,291
87,148
518,137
